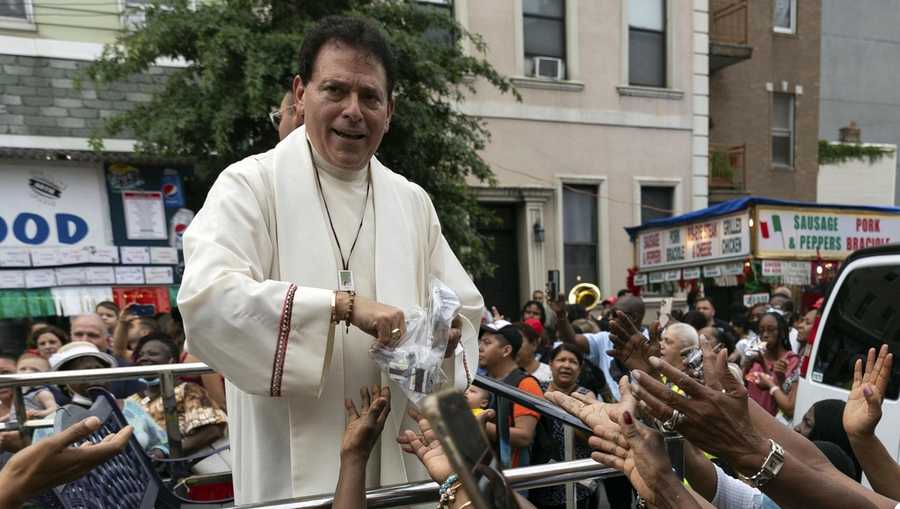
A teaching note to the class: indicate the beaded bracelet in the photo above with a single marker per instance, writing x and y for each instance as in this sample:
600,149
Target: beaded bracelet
352,300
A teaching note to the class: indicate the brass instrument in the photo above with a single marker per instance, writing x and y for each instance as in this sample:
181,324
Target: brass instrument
586,294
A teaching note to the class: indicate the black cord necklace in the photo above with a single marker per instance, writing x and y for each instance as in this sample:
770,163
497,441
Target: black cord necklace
345,276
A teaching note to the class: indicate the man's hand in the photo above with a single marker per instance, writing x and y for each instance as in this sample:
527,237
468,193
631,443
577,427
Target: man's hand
453,337
716,417
631,348
374,318
558,304
364,426
427,448
51,461
863,410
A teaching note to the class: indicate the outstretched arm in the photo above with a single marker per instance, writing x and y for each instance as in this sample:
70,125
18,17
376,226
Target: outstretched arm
364,427
861,416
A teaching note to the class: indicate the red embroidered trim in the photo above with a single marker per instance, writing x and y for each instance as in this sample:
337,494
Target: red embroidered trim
284,331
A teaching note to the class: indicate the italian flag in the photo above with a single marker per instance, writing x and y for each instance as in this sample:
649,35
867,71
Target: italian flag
776,228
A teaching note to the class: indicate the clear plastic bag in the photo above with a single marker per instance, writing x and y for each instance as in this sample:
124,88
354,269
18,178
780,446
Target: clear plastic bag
414,363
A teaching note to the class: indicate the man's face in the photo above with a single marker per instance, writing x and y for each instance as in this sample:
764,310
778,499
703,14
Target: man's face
707,309
670,349
491,350
345,105
537,295
85,363
92,331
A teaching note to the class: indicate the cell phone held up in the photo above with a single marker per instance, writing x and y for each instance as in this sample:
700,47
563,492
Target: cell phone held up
142,310
552,284
468,450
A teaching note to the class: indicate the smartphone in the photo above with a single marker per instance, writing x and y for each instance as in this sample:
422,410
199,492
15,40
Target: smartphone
142,310
539,405
468,450
552,284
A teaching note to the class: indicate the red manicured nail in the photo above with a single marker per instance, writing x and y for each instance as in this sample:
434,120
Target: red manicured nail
627,416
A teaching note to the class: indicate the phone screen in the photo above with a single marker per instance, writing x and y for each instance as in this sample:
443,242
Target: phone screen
468,450
552,284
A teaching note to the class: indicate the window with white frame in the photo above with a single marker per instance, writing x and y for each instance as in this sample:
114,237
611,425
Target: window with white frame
647,43
16,9
134,13
580,234
439,35
783,129
544,30
785,19
657,202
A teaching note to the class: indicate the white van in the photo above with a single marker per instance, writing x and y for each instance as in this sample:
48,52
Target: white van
862,311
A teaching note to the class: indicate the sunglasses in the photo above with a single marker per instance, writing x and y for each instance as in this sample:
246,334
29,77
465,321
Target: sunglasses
275,116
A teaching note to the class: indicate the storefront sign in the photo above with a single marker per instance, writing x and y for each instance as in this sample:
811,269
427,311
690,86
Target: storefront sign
826,233
673,275
733,269
15,257
712,271
55,205
706,241
657,277
145,218
640,280
752,299
691,273
790,272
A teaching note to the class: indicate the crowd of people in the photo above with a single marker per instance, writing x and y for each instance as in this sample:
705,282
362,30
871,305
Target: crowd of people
117,338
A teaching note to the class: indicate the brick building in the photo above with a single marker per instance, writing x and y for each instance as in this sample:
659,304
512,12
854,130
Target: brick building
764,98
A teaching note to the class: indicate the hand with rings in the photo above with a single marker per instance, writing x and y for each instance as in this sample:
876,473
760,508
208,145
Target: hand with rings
386,324
714,421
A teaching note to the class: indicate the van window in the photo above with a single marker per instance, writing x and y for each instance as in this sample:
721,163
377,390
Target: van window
865,314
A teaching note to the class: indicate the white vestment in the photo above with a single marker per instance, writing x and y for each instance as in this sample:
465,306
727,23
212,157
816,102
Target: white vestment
261,267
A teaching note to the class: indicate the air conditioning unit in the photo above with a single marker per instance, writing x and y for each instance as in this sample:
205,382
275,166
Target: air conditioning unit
549,67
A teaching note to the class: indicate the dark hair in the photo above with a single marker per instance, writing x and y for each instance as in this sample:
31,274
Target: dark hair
56,331
540,308
358,33
566,347
528,333
108,304
784,332
695,319
149,322
622,292
165,339
704,299
576,312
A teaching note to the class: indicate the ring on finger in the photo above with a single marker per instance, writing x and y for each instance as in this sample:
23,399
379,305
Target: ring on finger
395,334
673,421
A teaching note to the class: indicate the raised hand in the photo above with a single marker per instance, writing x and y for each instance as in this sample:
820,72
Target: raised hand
427,448
51,461
557,303
863,410
365,425
716,421
631,348
594,413
496,315
764,381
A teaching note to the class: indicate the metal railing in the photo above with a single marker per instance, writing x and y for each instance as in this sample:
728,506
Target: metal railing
166,373
536,476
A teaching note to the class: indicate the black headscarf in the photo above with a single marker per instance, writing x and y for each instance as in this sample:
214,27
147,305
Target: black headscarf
828,426
838,458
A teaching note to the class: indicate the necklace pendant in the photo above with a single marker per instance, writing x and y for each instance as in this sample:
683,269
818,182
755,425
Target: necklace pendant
345,281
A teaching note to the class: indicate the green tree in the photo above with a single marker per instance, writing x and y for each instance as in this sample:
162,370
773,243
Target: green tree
240,56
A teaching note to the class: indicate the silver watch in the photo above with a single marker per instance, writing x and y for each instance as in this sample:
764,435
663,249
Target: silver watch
770,467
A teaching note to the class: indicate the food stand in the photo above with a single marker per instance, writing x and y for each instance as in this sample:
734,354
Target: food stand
751,243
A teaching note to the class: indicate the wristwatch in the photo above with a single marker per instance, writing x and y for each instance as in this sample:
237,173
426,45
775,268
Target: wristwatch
770,467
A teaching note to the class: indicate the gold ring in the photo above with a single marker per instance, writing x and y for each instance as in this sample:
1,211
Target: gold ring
395,334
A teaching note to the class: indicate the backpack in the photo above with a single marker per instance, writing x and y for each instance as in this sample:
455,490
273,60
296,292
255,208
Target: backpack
542,446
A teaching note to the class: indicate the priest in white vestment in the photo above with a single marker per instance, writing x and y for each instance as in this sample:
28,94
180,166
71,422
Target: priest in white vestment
262,299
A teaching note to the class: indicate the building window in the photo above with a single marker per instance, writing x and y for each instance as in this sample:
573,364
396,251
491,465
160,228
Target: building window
14,9
783,129
544,28
647,43
657,202
439,35
785,16
580,234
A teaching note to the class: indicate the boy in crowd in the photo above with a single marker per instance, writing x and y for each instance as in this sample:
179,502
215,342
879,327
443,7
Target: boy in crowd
498,348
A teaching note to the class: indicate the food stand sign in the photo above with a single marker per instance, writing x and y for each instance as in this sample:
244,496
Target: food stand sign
827,233
717,239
